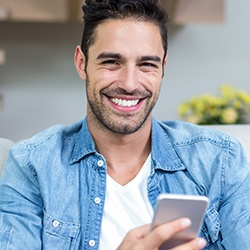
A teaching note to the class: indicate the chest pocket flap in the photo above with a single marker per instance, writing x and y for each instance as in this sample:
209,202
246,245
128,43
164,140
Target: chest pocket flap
58,234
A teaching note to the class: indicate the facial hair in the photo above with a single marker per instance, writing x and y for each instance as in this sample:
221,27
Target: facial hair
116,122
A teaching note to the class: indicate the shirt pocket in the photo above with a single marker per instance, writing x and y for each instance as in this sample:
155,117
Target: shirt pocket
58,234
211,227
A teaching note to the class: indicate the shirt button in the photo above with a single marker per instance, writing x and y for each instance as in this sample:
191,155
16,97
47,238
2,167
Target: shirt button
92,243
100,163
97,200
55,223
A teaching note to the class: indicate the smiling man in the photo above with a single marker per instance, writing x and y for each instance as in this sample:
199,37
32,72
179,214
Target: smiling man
123,75
94,184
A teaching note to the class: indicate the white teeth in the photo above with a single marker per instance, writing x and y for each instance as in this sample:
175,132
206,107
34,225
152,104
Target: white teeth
125,103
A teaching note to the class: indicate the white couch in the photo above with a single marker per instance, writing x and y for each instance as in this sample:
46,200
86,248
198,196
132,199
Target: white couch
5,145
240,132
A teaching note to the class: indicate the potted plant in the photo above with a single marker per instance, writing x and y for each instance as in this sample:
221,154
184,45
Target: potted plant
230,106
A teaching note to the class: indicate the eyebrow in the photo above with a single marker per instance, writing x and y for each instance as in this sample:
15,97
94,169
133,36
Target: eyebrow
150,58
119,56
109,55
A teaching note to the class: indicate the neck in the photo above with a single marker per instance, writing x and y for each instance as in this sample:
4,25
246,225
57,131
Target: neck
124,154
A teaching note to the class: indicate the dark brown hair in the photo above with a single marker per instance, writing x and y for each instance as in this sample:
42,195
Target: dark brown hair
98,11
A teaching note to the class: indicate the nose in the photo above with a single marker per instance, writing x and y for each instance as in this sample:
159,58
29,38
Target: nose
130,78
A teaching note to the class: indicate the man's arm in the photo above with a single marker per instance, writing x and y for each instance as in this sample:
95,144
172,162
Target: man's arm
20,204
235,208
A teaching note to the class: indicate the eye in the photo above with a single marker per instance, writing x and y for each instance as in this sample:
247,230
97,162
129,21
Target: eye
110,62
148,64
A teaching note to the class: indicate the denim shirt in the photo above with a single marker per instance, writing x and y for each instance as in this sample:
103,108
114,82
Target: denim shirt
52,191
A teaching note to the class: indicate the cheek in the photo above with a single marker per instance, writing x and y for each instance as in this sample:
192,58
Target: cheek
105,78
152,82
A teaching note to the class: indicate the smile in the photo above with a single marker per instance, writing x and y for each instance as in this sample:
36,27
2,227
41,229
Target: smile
125,103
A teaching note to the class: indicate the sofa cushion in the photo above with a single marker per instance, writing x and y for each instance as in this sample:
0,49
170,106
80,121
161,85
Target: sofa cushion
5,145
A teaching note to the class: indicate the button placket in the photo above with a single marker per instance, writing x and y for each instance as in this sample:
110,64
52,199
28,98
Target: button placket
97,200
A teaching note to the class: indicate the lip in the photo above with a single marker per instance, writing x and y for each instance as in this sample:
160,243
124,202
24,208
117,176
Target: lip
129,100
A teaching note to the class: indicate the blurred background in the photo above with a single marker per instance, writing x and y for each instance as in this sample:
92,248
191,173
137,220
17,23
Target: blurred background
209,45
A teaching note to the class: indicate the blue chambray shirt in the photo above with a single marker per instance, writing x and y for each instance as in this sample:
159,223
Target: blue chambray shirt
52,190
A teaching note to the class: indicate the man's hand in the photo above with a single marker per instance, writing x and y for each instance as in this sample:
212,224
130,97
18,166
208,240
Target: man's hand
141,239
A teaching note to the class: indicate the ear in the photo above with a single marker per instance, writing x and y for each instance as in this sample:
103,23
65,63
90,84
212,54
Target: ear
80,62
165,60
164,64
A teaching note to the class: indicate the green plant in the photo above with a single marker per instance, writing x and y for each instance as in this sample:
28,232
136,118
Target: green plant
231,106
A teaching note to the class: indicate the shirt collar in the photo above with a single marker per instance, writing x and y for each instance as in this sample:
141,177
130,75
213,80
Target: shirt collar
163,154
84,143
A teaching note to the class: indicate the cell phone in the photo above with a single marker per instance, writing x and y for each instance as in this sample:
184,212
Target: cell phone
170,207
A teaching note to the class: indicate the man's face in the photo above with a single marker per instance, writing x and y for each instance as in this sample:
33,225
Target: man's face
124,73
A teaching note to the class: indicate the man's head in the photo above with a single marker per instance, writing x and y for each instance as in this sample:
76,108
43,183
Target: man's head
122,59
97,12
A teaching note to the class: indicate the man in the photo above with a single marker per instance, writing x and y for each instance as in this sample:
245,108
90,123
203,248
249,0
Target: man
94,184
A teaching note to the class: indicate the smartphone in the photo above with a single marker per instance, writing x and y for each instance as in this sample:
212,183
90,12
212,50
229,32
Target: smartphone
171,207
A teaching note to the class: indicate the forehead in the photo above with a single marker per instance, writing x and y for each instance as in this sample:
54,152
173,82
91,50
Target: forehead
128,35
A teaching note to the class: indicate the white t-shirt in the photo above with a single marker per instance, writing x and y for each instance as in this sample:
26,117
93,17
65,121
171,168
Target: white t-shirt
125,208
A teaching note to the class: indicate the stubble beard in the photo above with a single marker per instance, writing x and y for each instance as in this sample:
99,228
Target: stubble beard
104,118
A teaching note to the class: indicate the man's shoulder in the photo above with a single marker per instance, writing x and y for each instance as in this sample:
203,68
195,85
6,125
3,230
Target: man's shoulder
55,134
49,146
180,133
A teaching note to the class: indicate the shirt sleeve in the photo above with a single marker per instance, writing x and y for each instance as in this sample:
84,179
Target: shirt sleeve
20,203
235,206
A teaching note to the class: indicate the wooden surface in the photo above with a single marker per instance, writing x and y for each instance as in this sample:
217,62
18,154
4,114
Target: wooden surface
34,10
198,11
180,11
75,10
194,11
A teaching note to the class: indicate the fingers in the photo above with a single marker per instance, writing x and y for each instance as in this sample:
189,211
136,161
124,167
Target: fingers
133,238
195,244
137,233
141,239
164,232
